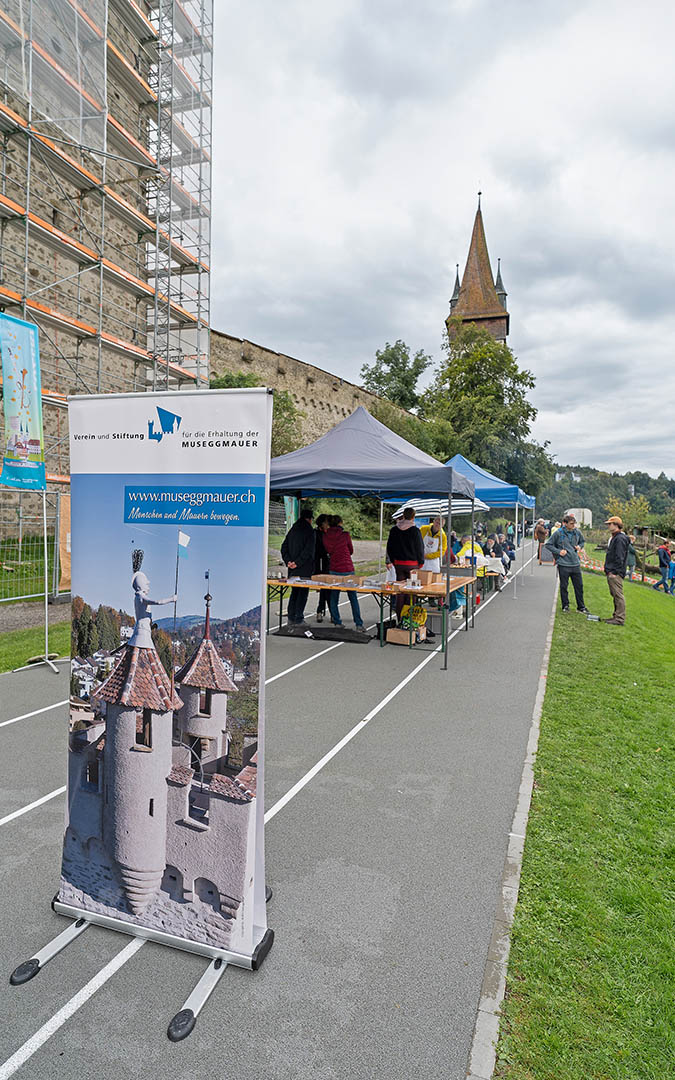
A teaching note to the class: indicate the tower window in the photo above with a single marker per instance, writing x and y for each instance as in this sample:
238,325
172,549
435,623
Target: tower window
151,808
205,697
92,773
144,728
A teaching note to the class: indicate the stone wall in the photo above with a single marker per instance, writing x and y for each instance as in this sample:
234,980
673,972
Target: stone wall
325,399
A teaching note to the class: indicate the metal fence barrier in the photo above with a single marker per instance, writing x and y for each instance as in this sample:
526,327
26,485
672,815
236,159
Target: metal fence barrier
22,545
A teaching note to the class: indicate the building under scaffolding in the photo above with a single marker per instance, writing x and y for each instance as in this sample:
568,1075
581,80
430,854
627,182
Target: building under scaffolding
105,198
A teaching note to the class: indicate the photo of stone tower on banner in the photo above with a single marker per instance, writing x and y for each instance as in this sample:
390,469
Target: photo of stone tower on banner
164,823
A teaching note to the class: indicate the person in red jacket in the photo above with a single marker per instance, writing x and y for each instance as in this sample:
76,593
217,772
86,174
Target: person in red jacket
338,545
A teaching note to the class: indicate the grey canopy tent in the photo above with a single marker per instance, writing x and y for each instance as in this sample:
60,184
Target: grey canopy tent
361,456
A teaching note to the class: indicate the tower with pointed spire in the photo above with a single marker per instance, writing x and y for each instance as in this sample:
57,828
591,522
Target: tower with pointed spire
479,298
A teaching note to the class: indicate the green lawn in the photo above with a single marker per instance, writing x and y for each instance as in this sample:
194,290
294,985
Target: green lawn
17,645
590,991
22,570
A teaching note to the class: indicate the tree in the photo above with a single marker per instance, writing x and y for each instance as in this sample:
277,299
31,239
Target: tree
480,391
164,647
394,375
433,434
286,418
633,512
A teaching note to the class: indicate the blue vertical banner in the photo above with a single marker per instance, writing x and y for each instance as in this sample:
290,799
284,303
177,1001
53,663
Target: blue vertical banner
23,463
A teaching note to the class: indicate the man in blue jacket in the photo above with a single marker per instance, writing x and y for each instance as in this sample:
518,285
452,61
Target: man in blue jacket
565,545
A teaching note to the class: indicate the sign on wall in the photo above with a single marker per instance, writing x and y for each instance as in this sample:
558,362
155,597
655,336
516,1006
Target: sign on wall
164,831
23,464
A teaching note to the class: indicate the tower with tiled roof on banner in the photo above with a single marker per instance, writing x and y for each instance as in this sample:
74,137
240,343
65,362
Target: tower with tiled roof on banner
479,298
140,701
204,685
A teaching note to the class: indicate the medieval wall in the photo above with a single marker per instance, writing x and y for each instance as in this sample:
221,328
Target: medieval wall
325,399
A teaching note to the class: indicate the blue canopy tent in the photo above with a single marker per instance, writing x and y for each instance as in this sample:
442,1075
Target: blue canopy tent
493,491
361,456
490,489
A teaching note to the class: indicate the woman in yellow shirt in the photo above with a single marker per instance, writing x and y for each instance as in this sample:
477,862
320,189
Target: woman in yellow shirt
435,545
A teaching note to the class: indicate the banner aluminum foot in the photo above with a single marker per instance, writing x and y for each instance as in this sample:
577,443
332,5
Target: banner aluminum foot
184,1021
29,969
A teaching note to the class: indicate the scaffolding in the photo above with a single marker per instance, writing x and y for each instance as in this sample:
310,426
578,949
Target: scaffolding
105,196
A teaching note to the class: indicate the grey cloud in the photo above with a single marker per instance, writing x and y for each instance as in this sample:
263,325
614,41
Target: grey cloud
350,139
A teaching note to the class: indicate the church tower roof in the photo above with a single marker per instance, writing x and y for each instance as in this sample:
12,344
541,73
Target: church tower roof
477,298
205,669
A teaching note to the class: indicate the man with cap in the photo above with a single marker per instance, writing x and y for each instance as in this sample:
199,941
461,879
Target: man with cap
565,545
615,568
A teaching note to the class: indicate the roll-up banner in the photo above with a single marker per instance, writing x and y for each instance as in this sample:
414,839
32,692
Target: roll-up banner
164,822
23,462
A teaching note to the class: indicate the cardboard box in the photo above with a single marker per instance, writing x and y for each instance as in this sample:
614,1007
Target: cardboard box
397,635
426,576
336,579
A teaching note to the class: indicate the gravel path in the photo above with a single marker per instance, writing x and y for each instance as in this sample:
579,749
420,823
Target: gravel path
23,616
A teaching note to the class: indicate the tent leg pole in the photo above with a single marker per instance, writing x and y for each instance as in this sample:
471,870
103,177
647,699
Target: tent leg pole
515,576
379,556
447,582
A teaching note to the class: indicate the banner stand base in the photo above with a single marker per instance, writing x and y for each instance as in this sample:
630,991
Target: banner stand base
39,663
182,1024
30,968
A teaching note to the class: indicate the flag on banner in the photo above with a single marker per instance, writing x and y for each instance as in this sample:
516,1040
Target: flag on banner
183,541
23,464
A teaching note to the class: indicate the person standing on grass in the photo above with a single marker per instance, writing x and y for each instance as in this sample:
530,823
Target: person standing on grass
297,551
665,560
615,568
671,576
631,562
565,545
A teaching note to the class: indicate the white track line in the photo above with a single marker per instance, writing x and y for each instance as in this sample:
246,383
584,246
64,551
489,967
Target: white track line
285,799
31,806
309,659
59,1019
35,712
25,1052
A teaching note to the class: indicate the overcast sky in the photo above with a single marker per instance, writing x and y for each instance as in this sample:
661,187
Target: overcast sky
350,139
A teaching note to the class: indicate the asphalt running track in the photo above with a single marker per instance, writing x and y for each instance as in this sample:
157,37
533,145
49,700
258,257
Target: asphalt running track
385,847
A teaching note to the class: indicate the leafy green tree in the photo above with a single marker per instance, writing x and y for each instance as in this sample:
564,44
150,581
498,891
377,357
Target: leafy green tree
395,374
434,435
164,648
286,419
108,628
633,512
481,393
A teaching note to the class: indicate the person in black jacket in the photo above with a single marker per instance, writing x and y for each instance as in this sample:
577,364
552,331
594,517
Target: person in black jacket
405,551
321,564
615,569
297,551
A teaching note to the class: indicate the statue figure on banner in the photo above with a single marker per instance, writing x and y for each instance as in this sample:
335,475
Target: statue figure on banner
142,635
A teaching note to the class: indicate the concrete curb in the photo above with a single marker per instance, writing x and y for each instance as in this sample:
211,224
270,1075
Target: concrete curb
482,1057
